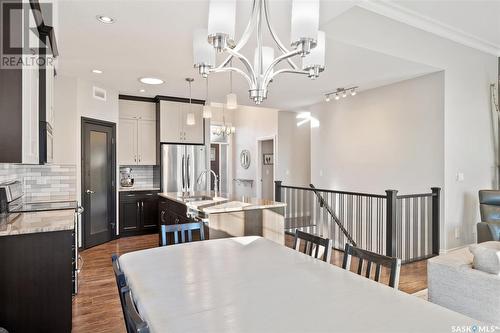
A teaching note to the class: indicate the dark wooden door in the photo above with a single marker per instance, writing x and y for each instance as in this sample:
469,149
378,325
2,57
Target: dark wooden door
98,181
214,163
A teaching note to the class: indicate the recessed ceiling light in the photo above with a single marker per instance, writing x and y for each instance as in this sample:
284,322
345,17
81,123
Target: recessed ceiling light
105,19
151,80
97,71
142,90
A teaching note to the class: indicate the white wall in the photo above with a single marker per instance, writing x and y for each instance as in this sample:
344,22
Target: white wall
468,147
74,100
385,138
293,162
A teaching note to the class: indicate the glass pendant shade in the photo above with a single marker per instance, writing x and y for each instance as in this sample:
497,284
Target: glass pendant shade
203,52
207,111
305,20
190,120
267,59
221,17
231,101
317,55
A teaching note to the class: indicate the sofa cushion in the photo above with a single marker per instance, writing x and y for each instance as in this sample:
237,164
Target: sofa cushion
486,257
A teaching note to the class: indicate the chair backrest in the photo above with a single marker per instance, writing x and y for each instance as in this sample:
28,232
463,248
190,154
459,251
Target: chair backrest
489,205
120,281
393,264
181,229
135,324
312,245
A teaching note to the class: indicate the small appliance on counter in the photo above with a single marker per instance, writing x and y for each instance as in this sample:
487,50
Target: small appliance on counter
12,204
126,179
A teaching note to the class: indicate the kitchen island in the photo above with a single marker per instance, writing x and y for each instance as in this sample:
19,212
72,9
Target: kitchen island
225,215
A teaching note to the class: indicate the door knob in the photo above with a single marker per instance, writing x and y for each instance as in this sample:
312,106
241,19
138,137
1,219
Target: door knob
89,192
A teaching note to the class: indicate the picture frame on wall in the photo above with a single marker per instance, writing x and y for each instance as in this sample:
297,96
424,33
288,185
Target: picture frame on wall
268,159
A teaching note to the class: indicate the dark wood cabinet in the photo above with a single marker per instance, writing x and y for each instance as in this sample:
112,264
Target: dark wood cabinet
138,212
36,282
173,212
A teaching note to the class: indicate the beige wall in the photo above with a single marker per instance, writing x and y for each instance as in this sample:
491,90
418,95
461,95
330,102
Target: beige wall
390,137
293,162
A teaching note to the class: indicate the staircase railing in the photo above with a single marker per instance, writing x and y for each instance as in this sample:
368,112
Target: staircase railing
403,226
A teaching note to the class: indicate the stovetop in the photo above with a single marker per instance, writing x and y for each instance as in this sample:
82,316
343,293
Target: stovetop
44,206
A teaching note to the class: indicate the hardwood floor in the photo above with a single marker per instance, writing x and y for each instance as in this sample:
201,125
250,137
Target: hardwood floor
97,308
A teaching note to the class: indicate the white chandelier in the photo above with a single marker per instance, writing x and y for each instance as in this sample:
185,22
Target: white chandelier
306,41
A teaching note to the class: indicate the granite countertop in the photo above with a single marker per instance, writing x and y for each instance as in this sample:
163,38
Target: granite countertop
34,222
224,203
137,188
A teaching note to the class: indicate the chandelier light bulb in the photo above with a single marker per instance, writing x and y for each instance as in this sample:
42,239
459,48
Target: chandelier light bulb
231,101
337,97
353,92
344,94
305,20
327,98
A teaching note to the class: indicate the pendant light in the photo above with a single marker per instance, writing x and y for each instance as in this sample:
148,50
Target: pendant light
231,98
190,119
207,110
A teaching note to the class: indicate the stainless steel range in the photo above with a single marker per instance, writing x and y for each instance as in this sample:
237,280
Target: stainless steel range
12,204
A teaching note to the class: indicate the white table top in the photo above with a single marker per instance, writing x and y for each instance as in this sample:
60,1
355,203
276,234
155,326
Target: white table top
251,284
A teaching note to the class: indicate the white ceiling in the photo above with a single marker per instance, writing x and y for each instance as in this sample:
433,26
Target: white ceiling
154,38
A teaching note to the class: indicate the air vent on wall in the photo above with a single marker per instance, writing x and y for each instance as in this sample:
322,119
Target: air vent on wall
99,93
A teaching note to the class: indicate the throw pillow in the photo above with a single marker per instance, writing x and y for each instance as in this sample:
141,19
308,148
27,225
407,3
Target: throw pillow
486,257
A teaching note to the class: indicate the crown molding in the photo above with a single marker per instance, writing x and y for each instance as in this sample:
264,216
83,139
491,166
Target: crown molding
417,20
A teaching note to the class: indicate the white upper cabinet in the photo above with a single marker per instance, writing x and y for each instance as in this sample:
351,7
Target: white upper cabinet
174,126
127,142
146,134
137,133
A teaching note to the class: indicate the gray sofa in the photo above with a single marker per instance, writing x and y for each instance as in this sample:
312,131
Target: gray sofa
455,285
489,205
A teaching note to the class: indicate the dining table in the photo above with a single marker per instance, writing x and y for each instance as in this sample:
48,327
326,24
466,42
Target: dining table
251,284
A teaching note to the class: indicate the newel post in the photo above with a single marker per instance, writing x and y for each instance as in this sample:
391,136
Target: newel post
436,215
277,190
390,235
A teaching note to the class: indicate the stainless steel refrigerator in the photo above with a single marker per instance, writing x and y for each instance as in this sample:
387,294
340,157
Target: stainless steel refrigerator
180,167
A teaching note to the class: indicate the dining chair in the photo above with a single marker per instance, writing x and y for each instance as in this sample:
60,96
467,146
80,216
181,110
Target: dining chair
181,229
393,264
135,324
133,321
313,243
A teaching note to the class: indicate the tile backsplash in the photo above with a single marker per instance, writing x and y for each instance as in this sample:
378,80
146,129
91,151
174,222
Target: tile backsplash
54,182
144,175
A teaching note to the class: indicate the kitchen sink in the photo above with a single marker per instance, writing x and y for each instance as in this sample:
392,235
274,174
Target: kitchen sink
193,198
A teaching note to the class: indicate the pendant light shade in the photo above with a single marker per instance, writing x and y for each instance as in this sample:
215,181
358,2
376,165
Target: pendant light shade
305,20
267,59
190,120
231,101
221,18
203,52
207,111
317,56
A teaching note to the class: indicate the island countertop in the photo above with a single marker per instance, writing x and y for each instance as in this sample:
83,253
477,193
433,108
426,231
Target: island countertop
207,203
34,222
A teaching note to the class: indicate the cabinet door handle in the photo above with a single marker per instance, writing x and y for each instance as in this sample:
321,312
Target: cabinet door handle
139,158
142,204
138,203
162,215
135,158
176,220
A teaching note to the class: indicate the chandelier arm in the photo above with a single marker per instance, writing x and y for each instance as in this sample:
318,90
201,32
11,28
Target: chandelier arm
233,69
246,63
245,36
282,71
275,36
278,60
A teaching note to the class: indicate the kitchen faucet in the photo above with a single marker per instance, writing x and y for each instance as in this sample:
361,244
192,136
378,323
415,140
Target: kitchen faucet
216,180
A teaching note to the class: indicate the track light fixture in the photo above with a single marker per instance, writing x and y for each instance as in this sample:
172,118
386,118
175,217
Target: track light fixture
341,92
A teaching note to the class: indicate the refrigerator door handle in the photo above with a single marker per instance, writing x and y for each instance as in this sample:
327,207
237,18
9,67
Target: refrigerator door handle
183,174
188,174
